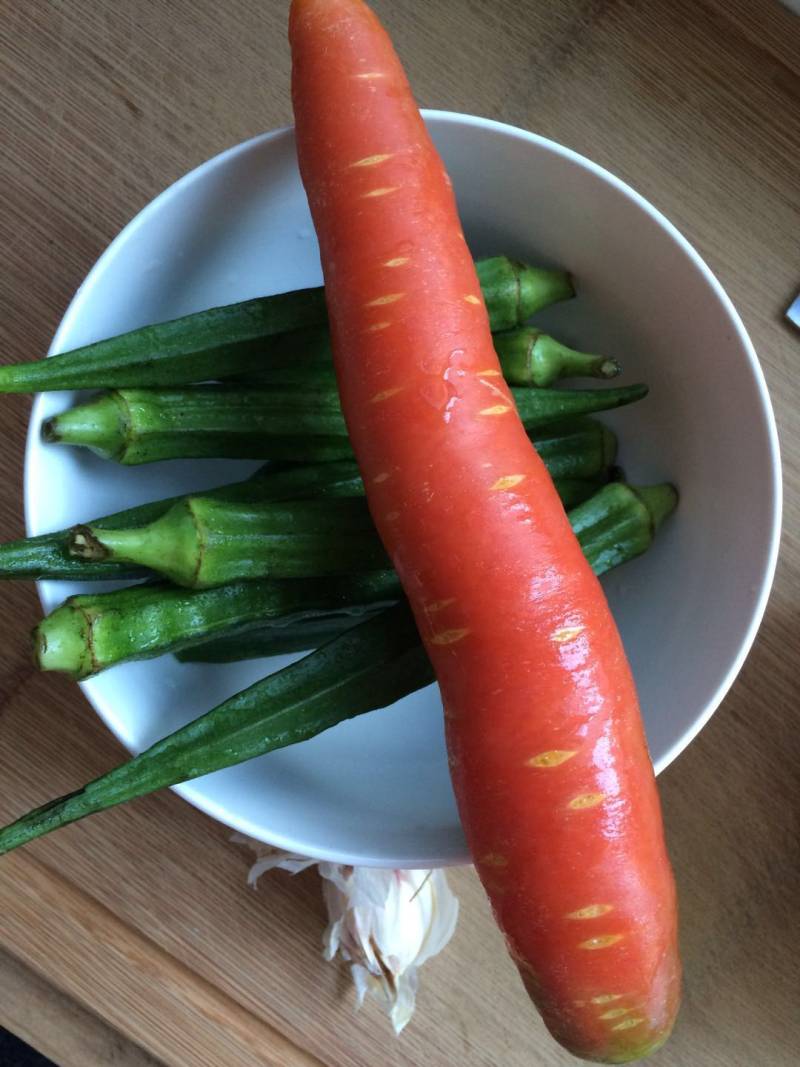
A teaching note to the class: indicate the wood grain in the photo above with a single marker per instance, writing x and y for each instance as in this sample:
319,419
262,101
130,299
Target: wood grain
57,1025
141,918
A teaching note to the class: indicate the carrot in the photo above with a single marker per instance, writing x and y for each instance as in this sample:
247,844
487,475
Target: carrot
547,751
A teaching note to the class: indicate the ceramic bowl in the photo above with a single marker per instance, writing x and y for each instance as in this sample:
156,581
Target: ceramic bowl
376,790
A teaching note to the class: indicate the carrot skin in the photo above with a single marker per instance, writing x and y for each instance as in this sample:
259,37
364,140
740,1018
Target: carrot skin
549,761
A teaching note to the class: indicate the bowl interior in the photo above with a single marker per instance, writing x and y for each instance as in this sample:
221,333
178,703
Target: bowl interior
376,790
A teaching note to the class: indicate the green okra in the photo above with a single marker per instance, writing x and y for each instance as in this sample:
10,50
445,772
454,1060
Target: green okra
89,633
47,556
620,522
265,641
615,524
143,426
578,448
369,667
519,290
366,668
304,360
230,340
200,543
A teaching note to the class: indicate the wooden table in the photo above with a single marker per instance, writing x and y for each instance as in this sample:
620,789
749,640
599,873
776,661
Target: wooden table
132,939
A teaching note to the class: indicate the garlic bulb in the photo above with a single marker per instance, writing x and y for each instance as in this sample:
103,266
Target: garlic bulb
385,923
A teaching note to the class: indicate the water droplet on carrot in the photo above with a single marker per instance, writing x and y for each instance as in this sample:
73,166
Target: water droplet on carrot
436,392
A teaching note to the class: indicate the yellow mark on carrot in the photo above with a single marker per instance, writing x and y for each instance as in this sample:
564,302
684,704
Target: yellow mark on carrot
377,326
381,477
490,373
616,1013
586,800
439,605
449,637
371,74
398,261
508,481
554,757
566,633
493,859
382,191
606,998
372,161
470,299
498,409
600,941
628,1024
385,394
381,301
591,911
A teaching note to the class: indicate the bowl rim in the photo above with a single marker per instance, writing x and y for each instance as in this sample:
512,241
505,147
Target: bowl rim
189,790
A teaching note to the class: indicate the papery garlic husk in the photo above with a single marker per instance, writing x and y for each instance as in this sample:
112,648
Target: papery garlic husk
386,923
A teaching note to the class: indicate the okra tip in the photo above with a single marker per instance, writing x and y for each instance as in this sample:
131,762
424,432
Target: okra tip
660,501
97,424
50,432
609,368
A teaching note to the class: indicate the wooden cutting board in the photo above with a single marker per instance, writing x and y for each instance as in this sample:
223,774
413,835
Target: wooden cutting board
132,939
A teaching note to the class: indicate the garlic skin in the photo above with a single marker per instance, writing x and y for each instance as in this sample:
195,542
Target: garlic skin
386,923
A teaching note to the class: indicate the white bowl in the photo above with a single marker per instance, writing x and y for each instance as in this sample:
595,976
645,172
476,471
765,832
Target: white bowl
376,790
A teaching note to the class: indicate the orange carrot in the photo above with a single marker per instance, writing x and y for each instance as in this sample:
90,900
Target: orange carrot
548,757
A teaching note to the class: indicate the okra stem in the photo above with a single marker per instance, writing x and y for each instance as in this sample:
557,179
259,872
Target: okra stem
532,358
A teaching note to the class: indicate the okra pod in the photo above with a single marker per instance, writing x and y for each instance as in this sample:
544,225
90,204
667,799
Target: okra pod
90,632
47,556
134,426
575,449
304,360
200,543
615,524
142,426
368,667
229,340
265,641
